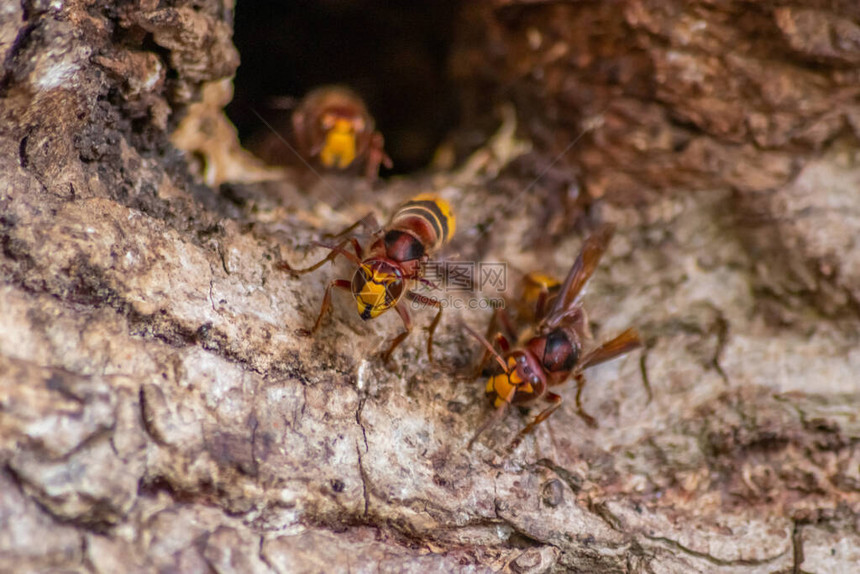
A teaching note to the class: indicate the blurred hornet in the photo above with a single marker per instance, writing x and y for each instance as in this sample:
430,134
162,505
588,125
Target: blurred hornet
333,128
551,348
392,265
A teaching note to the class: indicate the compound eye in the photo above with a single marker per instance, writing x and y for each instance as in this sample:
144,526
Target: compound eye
360,278
395,290
559,354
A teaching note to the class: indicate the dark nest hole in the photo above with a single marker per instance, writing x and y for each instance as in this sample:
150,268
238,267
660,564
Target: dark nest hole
395,55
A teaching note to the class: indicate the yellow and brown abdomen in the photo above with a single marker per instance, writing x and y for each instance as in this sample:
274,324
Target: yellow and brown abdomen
428,217
535,284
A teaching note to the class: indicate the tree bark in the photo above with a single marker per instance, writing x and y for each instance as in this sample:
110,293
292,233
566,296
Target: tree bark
158,411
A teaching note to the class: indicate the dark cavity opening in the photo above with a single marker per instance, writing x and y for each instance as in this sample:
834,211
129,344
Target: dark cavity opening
395,55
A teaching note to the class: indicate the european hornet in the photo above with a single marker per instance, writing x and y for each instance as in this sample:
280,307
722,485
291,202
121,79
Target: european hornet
333,127
394,262
550,349
331,130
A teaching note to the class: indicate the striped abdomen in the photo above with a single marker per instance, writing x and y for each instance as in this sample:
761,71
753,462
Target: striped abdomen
427,217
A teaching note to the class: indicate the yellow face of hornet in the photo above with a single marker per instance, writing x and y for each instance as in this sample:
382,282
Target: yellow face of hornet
377,287
339,147
503,386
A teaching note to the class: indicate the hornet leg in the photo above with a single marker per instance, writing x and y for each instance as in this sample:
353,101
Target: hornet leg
555,401
326,304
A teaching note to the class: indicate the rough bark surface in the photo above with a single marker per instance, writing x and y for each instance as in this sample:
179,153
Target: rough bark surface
159,413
